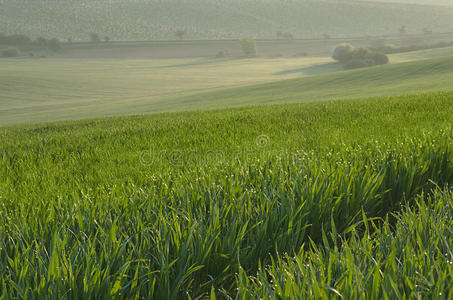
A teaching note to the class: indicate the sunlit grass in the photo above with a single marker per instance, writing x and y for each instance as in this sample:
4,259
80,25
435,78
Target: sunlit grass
38,90
197,204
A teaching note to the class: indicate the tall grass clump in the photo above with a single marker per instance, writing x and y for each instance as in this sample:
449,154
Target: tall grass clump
412,260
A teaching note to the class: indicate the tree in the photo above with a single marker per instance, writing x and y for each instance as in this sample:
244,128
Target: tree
179,34
341,50
248,47
11,52
95,38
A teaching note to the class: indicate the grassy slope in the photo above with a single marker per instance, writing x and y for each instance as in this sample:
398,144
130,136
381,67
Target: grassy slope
38,91
405,78
157,206
422,54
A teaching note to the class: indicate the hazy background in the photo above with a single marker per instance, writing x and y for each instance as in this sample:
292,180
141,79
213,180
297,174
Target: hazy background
221,19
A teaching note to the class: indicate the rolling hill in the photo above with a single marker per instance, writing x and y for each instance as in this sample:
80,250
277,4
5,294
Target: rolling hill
274,177
216,19
172,206
422,54
394,79
74,89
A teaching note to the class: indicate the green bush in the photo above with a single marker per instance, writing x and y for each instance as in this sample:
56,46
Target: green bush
342,50
248,47
11,52
380,58
360,58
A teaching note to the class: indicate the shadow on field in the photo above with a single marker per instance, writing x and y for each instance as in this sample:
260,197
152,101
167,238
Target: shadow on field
200,62
314,70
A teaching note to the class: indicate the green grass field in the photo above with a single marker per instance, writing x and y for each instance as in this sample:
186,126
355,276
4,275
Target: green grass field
36,90
277,201
281,178
395,79
422,54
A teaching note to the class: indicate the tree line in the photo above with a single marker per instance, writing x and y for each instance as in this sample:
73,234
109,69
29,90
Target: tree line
21,40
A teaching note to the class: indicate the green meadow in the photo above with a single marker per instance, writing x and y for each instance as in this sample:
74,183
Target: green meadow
276,177
38,90
43,90
335,199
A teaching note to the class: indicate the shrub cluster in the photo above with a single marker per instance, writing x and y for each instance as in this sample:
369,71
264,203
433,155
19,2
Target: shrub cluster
352,58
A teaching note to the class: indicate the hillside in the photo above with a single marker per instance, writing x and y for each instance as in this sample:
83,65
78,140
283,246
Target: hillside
37,90
106,88
422,54
148,151
403,78
206,204
208,19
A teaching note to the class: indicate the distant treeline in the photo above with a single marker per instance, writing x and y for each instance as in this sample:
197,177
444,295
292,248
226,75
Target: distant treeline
15,39
20,40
